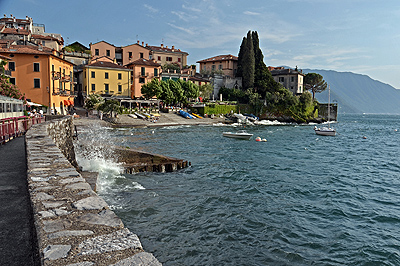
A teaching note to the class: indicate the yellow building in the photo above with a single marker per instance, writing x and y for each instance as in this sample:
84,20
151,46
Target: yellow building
41,74
107,79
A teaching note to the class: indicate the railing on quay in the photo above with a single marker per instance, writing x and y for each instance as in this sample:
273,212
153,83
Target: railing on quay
13,127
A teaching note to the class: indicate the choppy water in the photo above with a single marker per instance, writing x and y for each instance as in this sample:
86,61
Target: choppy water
298,199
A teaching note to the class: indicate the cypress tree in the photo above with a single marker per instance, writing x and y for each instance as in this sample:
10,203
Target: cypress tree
248,63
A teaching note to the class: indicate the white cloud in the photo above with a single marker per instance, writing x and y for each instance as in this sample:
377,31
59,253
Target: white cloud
251,13
181,29
191,8
150,8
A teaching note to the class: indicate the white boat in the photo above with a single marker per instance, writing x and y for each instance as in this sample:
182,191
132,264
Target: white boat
326,131
238,135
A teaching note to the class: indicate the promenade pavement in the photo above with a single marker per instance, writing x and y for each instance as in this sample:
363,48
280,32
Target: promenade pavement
17,237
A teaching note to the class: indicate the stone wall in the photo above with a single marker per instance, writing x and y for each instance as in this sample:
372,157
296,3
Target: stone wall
74,225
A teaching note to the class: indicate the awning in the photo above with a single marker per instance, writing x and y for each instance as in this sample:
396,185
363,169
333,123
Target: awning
71,102
33,104
66,102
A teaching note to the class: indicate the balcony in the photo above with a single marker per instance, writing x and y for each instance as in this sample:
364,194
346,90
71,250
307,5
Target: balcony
58,91
7,73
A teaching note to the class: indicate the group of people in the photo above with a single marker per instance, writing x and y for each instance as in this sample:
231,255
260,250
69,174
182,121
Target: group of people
33,113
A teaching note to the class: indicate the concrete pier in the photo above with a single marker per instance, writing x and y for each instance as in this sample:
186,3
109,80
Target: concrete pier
74,225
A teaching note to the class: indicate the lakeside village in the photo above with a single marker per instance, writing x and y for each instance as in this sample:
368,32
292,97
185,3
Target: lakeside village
144,80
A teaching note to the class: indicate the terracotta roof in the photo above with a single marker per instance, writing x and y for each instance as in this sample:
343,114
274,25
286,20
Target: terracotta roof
144,62
15,31
106,64
276,72
199,79
43,37
4,57
25,49
165,49
219,58
17,20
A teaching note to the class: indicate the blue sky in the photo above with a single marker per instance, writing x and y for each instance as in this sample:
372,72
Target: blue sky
360,36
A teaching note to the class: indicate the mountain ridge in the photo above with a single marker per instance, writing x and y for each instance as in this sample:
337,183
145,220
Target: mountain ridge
358,93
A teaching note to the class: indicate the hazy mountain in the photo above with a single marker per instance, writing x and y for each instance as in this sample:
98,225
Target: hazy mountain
357,93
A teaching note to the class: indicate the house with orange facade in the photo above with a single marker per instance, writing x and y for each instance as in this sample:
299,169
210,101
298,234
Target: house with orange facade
164,55
41,74
143,71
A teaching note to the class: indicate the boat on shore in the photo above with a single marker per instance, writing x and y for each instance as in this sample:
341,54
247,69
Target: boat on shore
241,134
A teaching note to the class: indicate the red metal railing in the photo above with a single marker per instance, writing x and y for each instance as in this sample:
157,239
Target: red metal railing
16,126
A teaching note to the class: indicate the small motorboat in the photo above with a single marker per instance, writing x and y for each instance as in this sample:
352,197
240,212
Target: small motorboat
241,134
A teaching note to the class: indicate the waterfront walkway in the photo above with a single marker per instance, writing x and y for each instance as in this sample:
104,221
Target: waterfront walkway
17,237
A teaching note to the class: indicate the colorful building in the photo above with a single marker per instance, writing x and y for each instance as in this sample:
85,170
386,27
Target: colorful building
291,79
143,71
41,74
107,79
223,64
164,55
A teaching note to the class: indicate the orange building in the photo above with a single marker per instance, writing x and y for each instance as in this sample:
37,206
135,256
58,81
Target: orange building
41,74
227,64
143,71
101,49
133,52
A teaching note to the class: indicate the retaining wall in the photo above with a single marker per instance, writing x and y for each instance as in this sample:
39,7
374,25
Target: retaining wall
74,225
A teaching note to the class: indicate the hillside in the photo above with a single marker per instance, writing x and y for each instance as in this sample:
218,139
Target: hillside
357,93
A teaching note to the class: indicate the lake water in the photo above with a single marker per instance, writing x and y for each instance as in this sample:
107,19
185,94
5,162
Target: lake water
297,199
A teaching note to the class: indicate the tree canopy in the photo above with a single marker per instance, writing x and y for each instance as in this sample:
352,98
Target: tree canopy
170,91
6,87
315,83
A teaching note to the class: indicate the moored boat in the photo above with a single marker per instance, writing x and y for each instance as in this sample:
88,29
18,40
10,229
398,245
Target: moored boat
238,135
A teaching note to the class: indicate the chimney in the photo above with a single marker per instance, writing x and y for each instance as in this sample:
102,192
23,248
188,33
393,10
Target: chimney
138,42
142,43
147,44
162,45
5,16
173,47
8,45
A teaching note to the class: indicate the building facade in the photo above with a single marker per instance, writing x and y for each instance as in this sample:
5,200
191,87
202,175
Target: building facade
291,79
41,74
221,64
143,71
107,79
164,55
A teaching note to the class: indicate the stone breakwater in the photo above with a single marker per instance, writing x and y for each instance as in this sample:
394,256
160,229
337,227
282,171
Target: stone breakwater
74,225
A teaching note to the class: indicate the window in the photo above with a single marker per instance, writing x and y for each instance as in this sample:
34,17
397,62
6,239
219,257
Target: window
141,80
130,54
159,58
106,75
292,79
108,53
12,81
220,67
36,67
141,55
142,71
36,83
281,79
156,72
179,59
106,88
213,67
93,74
119,88
169,58
119,76
96,52
93,87
11,66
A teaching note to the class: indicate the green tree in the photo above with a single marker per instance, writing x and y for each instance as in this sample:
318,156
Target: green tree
111,107
176,90
315,83
248,67
190,90
93,102
6,87
166,93
151,89
205,90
